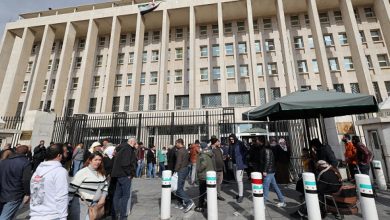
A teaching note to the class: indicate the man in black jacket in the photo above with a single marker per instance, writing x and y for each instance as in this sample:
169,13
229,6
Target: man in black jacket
323,152
124,170
15,175
39,154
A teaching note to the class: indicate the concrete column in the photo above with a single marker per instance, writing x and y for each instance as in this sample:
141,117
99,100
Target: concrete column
221,41
112,63
289,70
137,66
13,80
322,59
63,69
87,65
162,81
355,45
6,46
382,11
193,92
39,75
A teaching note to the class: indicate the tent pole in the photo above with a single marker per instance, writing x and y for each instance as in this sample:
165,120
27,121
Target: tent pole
306,123
323,130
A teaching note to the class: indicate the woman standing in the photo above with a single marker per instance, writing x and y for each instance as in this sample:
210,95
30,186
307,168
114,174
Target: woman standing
88,188
77,157
282,159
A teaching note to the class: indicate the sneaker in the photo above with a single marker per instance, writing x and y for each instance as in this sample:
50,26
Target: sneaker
179,206
240,198
281,204
220,198
189,207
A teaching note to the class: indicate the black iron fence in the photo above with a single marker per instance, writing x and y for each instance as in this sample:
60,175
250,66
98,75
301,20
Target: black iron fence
12,126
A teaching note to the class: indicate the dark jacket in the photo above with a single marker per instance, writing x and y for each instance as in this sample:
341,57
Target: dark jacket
238,153
182,159
255,156
151,156
328,182
218,158
268,161
124,162
15,175
108,163
171,157
326,153
39,155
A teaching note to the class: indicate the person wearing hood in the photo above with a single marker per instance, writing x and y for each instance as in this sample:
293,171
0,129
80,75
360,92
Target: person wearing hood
49,187
282,165
238,153
15,175
204,163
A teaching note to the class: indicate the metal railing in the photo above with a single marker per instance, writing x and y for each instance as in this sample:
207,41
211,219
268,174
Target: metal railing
12,125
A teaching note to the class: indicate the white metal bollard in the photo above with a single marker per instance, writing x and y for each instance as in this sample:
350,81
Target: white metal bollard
166,195
366,197
311,196
258,199
380,177
212,205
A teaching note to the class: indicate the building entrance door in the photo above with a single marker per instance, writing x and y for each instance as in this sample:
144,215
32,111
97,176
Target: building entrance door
377,149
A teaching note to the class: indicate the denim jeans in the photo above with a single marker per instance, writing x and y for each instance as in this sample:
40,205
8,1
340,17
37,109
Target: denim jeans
140,168
364,169
122,196
181,179
268,180
162,168
9,209
77,164
151,170
193,173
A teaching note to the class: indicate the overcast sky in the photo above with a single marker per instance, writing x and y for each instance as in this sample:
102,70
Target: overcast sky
10,9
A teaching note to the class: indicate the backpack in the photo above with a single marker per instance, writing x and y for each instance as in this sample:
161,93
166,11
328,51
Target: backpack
364,155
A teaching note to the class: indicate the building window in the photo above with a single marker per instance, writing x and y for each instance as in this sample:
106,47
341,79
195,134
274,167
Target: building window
179,33
146,37
257,46
214,28
305,87
230,71
227,28
269,44
35,49
324,18
179,53
298,42
75,82
96,81
328,39
203,51
145,56
122,39
307,20
178,75
81,43
181,102
131,57
92,105
215,50
116,103
242,48
369,12
45,85
204,73
355,88
155,55
244,70
203,30
239,99
343,38
152,102
267,22
387,85
229,49
295,21
378,95
314,64
70,107
78,62
255,25
263,97
259,69
348,63
99,60
275,93
141,101
102,41
129,79
211,100
310,41
362,37
156,35
153,77
339,87
376,35
25,86
142,78
216,73
132,38
337,16
126,107
302,66
52,84
49,65
56,64
383,60
272,69
240,26
29,66
333,64
369,61
118,80
121,58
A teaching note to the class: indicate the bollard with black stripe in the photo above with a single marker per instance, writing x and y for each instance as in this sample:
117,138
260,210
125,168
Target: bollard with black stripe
166,195
366,197
258,199
212,205
311,196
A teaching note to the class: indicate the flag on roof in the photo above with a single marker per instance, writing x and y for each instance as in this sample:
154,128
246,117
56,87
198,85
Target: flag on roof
149,7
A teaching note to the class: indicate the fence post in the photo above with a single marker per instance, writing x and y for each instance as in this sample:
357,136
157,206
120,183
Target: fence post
380,177
258,199
311,196
172,126
166,195
212,205
366,197
139,127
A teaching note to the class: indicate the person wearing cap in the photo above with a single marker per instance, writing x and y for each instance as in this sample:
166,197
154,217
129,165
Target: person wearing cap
219,164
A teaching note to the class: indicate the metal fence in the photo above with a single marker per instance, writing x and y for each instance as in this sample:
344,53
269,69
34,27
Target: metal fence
13,125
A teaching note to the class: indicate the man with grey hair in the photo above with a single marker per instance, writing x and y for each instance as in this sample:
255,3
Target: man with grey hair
124,170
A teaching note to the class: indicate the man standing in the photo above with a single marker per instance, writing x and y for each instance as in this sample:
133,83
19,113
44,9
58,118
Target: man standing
39,154
194,152
350,155
49,187
219,164
124,170
237,153
15,175
140,159
181,167
363,155
151,159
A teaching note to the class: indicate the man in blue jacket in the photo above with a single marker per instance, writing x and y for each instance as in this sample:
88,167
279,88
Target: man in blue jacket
237,154
15,175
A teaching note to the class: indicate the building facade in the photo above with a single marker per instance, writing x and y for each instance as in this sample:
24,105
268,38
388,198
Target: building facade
188,54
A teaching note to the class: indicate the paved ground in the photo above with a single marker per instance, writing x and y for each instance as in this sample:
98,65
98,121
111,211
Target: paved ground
146,194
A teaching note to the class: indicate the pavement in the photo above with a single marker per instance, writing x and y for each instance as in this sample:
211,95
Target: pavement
147,193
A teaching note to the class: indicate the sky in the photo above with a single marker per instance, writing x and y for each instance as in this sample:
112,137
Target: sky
10,9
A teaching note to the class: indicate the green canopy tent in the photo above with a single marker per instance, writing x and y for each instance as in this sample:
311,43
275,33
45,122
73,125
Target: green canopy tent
313,104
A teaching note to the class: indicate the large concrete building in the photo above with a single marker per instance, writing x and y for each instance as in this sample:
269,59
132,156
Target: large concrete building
191,54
